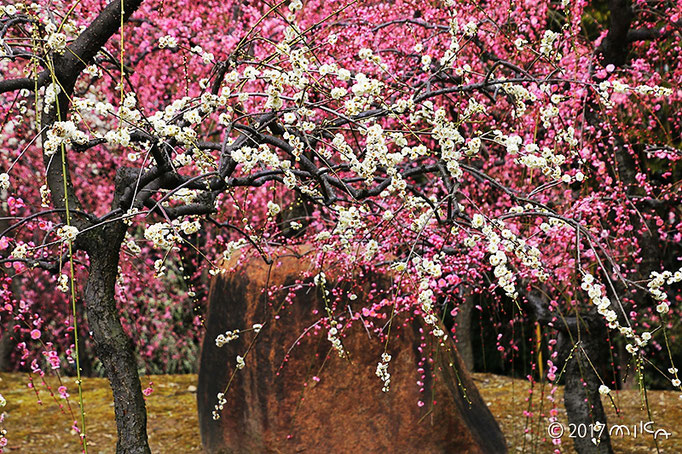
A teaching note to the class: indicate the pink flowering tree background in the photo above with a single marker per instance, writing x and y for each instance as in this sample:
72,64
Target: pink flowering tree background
525,153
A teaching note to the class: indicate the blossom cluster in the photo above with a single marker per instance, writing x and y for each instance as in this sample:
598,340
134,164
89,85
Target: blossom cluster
161,234
656,282
63,133
229,336
382,372
222,401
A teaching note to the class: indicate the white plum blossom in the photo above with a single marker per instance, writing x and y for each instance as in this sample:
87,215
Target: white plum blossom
57,42
382,372
20,251
62,133
4,181
229,336
161,234
273,208
67,233
168,42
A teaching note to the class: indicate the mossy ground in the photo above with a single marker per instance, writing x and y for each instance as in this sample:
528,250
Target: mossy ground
506,398
45,428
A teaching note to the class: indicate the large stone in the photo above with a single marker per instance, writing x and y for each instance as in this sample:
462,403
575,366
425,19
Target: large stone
277,406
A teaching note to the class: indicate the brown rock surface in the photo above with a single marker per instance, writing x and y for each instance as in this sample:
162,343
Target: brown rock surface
283,409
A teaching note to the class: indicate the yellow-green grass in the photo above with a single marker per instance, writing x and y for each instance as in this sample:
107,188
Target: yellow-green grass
45,428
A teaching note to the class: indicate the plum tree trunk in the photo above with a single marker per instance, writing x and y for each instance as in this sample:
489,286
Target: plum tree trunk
113,347
581,393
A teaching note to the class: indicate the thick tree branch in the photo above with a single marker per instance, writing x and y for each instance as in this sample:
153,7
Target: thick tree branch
24,83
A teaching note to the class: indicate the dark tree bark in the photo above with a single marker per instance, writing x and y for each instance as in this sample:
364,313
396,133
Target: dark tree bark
85,354
581,392
113,347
